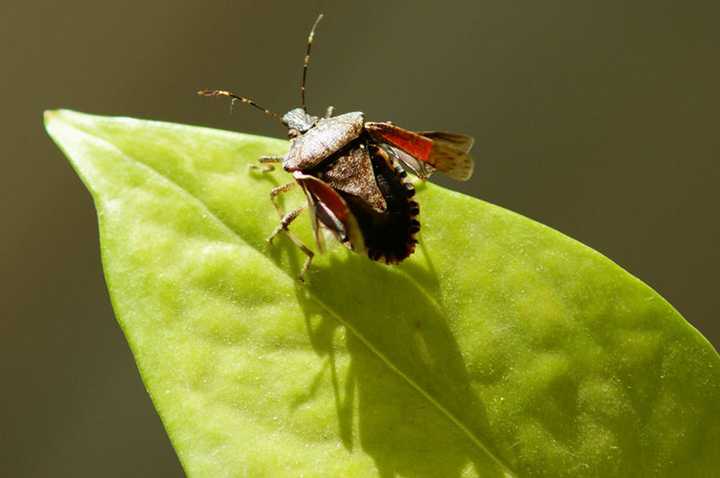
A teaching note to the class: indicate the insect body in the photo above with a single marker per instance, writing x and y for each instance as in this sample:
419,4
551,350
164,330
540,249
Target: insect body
353,175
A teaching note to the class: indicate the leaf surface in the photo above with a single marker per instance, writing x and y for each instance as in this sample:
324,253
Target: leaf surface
501,348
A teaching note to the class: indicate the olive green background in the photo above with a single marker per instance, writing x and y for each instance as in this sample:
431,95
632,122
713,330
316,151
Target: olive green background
598,118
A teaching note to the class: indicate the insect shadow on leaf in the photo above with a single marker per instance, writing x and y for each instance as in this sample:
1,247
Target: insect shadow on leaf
396,371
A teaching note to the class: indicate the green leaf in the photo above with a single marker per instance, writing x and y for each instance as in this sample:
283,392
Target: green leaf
501,348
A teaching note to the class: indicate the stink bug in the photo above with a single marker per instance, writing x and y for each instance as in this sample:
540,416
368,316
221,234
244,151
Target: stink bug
353,175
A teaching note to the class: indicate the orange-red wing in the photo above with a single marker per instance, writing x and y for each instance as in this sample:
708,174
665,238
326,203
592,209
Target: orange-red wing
412,143
322,192
312,207
331,210
446,152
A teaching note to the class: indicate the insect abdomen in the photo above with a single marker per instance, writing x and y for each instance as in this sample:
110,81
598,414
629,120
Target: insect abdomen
389,235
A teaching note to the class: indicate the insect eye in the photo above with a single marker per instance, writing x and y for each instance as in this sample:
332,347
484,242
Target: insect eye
293,133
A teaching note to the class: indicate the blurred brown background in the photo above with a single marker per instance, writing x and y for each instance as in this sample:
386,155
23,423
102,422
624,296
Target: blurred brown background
598,118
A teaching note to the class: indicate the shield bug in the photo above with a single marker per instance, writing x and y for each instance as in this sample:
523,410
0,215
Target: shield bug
353,174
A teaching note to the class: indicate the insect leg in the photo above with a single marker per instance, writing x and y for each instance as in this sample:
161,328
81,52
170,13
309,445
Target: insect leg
307,252
265,162
329,112
286,220
275,192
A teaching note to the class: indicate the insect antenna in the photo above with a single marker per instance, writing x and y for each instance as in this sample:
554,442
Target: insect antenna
307,60
241,99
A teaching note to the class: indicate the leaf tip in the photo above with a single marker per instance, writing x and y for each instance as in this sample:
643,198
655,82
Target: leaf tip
48,115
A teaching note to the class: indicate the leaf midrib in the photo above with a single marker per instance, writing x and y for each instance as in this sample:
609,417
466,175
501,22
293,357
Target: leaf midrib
384,359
